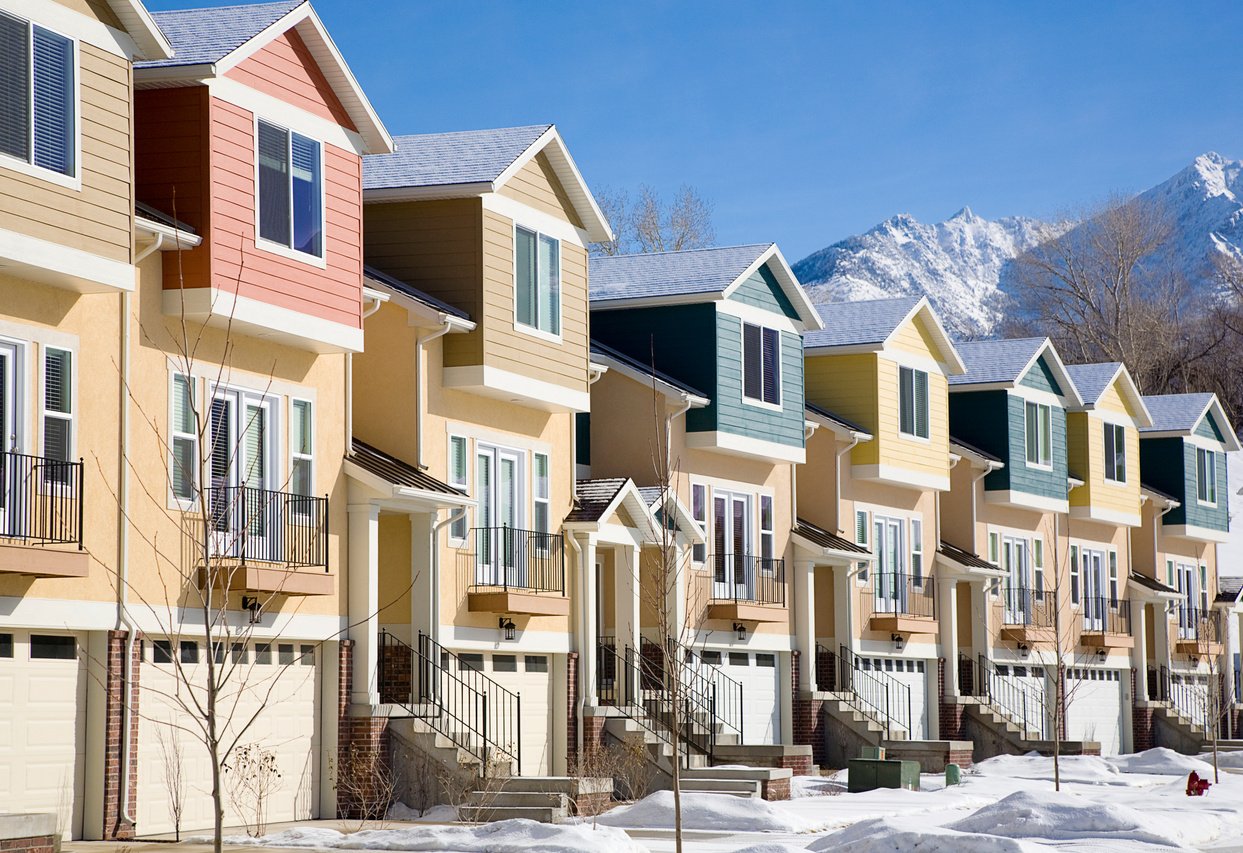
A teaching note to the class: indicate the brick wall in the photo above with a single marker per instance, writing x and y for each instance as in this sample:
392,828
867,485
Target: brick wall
115,828
808,722
396,674
31,844
950,712
361,741
775,789
571,715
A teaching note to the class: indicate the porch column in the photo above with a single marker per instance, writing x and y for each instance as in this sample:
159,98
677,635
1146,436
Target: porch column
1161,635
364,601
947,625
587,653
805,623
626,568
845,593
1139,632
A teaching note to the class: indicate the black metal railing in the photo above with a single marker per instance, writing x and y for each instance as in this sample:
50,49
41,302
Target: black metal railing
41,500
1199,624
715,695
1022,704
747,578
826,669
1031,608
1189,696
454,697
1102,615
900,594
878,695
268,526
507,558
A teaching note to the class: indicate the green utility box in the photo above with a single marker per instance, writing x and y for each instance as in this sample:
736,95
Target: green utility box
868,774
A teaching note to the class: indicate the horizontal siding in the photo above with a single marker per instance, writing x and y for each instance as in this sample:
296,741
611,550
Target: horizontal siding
846,385
98,218
929,456
1023,478
537,186
983,419
912,337
1212,517
1079,455
735,416
1041,377
1208,428
761,290
285,69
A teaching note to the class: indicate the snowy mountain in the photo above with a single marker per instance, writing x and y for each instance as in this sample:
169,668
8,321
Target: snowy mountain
960,264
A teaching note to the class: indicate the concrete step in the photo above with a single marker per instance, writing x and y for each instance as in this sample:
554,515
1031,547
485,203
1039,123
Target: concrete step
486,814
499,799
745,788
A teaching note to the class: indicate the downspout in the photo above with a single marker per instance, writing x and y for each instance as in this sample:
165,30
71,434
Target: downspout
418,387
669,419
368,310
837,502
582,630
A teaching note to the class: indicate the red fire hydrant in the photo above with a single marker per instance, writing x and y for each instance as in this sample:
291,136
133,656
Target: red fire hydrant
1197,787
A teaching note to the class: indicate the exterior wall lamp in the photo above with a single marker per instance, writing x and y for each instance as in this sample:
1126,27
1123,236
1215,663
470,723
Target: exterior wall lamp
251,603
507,625
741,629
1023,650
1100,655
898,641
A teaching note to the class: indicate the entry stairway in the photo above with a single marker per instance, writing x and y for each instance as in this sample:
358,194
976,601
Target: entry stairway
1182,712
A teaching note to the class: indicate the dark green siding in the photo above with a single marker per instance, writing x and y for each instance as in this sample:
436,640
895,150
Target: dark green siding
1041,377
582,438
736,417
762,290
1207,428
1169,464
996,421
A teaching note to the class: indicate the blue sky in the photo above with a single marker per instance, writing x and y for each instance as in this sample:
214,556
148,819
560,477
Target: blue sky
806,122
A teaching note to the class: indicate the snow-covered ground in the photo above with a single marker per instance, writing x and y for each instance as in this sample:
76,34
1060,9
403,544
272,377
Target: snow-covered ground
1128,803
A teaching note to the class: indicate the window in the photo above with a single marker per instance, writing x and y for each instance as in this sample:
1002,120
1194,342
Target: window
162,651
189,651
765,660
470,662
37,119
307,657
739,659
541,493
217,652
917,552
52,647
1038,567
536,663
6,645
238,653
263,653
766,534
291,192
1115,453
761,364
913,402
302,450
699,511
185,436
1206,476
1074,574
1203,588
1039,435
537,281
504,663
861,538
1169,575
712,658
284,654
457,479
57,413
1113,578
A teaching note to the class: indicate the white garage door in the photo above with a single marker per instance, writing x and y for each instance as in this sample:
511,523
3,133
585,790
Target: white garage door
275,685
530,677
761,707
913,676
43,725
1094,707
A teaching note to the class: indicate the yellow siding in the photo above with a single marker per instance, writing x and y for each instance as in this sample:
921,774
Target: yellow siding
536,186
846,385
1082,455
929,456
913,337
99,217
1086,445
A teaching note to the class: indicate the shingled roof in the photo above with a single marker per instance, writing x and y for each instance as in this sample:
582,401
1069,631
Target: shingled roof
592,498
661,274
1176,412
456,157
868,321
825,539
395,471
204,36
381,277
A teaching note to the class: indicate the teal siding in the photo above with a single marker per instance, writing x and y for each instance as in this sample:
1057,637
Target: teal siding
1207,428
739,418
1212,517
996,421
762,290
1035,481
1041,378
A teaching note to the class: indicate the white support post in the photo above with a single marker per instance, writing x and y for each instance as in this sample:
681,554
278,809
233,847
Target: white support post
947,624
423,587
626,597
364,601
845,595
805,623
587,660
1139,631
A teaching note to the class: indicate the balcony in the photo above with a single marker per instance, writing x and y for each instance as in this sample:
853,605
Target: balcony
515,571
264,538
1198,632
41,502
745,588
899,604
1026,616
1106,623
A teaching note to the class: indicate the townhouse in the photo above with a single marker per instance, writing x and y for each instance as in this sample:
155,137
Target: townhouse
703,399
462,479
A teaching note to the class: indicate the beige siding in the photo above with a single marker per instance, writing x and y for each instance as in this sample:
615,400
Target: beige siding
98,9
99,217
536,186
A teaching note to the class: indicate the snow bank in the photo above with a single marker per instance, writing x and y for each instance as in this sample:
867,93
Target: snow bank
506,836
401,811
1066,817
1161,762
1084,769
772,847
885,835
814,786
707,811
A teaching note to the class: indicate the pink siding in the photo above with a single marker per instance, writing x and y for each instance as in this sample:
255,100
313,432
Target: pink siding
285,69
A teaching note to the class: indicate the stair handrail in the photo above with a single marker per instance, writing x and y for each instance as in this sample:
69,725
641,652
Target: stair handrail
1190,702
728,691
878,695
1019,704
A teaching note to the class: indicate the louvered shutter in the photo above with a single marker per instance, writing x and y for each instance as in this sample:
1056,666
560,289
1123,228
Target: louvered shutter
53,102
308,230
14,87
772,367
274,214
752,362
921,403
57,410
221,453
906,400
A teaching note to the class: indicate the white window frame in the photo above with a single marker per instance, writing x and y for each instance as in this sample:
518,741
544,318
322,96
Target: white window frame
459,530
174,434
915,372
295,454
1111,468
917,554
320,260
767,566
44,412
71,181
1037,545
241,396
1044,434
1209,466
863,521
1112,581
524,328
1076,577
699,552
536,500
759,402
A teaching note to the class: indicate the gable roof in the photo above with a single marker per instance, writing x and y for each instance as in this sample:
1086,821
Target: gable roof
465,163
1093,380
691,276
1228,589
635,369
138,22
208,42
594,498
867,325
1004,363
825,539
1180,414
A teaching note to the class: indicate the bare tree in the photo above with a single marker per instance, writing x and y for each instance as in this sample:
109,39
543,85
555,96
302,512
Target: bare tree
651,223
171,755
253,775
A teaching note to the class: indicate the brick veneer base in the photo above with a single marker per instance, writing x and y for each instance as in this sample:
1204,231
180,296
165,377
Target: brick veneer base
808,722
775,789
359,739
114,828
571,715
31,844
950,713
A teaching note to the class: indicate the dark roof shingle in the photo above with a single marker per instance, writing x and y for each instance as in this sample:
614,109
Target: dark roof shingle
825,539
1092,379
966,558
593,497
413,292
395,471
837,419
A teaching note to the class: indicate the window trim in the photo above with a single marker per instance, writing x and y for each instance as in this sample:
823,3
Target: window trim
1044,430
768,565
71,181
524,328
1111,465
462,523
44,413
915,436
760,402
174,434
916,534
536,500
262,243
700,548
863,574
1210,465
294,453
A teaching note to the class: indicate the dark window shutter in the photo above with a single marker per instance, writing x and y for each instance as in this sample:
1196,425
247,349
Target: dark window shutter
53,102
921,403
752,362
906,400
14,87
772,367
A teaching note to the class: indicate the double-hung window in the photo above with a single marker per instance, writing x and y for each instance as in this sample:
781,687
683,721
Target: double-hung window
184,430
302,449
291,190
57,413
1206,476
1115,453
458,478
38,101
699,511
761,364
917,552
766,535
913,402
537,281
1039,435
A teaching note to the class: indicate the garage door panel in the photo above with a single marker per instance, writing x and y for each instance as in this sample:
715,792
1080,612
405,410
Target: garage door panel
529,676
761,708
1094,708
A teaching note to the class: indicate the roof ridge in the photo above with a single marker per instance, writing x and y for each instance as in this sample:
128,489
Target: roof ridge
683,251
545,127
292,4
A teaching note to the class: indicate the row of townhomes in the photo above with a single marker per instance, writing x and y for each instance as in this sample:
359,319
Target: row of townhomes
350,433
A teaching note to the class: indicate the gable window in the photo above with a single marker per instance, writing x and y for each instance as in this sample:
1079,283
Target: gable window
1206,476
761,364
1115,453
913,402
57,413
1039,435
699,512
457,479
291,194
537,280
37,96
185,437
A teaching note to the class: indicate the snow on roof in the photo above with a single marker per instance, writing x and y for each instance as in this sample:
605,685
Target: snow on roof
441,159
869,321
